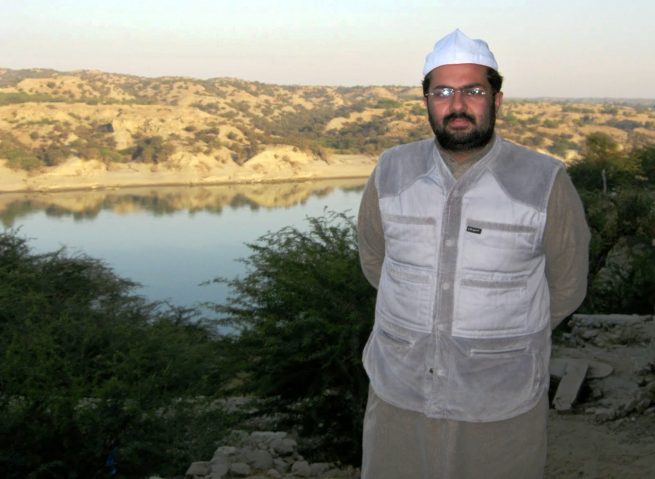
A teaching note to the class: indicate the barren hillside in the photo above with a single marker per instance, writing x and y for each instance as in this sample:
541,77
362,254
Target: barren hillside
91,129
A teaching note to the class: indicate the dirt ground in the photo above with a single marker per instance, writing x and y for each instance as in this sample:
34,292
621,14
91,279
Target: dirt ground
610,431
580,448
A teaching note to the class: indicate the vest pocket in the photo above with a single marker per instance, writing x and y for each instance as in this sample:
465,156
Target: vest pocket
406,296
503,247
491,305
493,379
394,338
409,239
503,235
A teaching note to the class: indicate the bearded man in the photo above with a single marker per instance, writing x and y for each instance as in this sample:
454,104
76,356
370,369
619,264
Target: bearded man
478,248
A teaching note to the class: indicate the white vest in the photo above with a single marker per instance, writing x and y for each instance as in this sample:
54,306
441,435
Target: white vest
462,323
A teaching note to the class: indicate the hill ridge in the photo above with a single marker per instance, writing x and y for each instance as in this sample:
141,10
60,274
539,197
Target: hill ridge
215,130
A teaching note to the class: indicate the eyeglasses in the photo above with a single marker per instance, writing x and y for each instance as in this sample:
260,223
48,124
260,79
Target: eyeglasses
446,93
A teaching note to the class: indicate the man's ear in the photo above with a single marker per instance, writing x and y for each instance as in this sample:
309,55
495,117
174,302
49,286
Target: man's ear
498,100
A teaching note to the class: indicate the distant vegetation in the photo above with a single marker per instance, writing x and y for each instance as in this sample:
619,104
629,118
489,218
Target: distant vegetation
47,117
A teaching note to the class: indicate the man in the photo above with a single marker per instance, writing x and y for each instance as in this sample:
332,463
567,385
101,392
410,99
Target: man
478,247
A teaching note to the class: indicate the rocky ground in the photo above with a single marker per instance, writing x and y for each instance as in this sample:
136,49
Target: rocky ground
608,432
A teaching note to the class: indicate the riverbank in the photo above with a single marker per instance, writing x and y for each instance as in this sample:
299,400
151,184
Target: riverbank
275,164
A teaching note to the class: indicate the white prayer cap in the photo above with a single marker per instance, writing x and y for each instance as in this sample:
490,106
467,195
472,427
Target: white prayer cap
456,48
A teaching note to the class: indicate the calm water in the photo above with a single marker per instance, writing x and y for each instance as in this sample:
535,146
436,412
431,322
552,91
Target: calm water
170,240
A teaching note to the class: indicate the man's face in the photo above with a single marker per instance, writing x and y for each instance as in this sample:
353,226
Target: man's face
461,122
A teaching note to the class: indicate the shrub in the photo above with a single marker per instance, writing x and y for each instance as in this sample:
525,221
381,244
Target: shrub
561,145
89,370
151,150
551,123
18,156
602,157
645,157
627,282
622,224
54,154
303,312
9,98
622,253
387,103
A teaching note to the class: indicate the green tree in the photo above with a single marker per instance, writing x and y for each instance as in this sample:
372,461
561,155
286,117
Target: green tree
303,312
622,253
604,165
151,150
645,157
622,224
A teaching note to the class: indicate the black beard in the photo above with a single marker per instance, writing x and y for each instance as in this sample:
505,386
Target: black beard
475,139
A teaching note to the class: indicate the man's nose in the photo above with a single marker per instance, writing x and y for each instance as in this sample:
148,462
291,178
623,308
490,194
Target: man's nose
457,102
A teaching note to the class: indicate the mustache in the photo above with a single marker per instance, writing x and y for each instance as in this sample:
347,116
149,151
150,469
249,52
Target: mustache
458,115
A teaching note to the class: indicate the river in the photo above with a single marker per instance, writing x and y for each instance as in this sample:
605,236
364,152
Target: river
172,239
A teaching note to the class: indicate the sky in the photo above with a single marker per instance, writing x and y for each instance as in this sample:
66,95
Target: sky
546,48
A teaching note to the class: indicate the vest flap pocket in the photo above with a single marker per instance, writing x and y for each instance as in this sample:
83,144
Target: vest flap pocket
503,247
410,239
493,379
501,235
507,351
406,296
491,305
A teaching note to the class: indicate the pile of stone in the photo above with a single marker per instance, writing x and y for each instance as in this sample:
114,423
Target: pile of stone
264,455
624,345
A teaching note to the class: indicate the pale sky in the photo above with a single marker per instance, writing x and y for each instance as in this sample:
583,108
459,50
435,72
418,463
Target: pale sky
552,48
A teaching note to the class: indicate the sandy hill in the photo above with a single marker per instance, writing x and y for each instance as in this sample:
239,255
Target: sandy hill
88,128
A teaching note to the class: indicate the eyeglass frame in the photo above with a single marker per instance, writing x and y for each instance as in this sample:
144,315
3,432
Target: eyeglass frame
464,91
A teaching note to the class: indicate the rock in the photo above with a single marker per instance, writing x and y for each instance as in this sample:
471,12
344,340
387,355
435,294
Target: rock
301,469
259,459
220,465
238,437
284,447
281,465
637,405
569,386
197,470
226,450
219,472
589,334
240,469
266,437
600,320
319,468
220,458
603,414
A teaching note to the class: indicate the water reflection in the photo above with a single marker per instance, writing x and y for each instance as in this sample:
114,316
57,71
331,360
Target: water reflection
166,200
171,240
